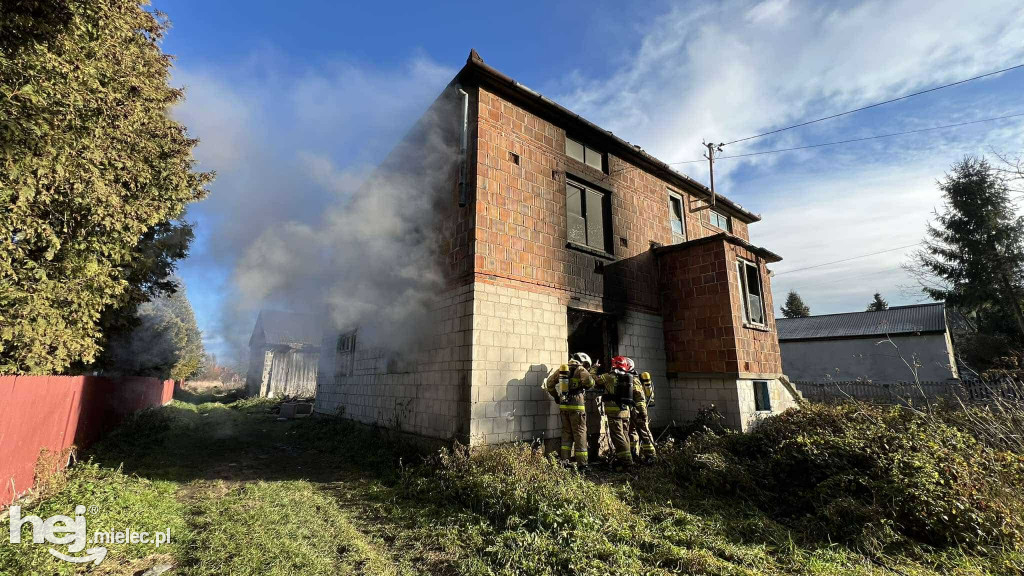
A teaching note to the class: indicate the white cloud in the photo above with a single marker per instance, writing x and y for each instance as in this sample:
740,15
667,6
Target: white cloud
769,11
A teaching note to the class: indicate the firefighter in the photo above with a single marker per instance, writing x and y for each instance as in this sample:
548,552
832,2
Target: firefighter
595,416
568,386
639,422
617,388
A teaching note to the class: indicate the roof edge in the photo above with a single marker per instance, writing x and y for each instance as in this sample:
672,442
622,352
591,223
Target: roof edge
922,305
768,255
859,336
475,64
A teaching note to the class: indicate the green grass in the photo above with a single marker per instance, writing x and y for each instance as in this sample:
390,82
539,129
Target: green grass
245,494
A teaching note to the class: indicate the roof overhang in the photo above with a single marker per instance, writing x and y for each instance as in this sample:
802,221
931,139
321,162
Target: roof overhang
768,256
479,72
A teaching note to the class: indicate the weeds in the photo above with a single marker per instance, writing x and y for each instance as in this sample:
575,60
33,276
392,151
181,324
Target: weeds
246,494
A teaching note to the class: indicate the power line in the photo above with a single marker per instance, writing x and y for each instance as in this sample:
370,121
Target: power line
875,105
851,140
887,270
846,259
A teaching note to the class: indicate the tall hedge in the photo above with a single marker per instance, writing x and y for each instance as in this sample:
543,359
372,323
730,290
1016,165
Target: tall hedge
90,165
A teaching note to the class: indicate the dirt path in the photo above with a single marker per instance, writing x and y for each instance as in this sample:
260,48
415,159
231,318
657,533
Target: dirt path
233,466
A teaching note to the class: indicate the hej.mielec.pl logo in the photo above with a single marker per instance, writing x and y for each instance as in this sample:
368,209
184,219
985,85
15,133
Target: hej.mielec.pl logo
65,530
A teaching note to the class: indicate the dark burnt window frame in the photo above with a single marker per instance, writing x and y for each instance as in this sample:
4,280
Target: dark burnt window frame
588,217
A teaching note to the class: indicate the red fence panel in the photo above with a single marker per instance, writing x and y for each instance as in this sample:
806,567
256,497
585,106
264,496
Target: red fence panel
57,412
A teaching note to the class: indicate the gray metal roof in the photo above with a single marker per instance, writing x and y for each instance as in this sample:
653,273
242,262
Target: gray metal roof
289,328
896,320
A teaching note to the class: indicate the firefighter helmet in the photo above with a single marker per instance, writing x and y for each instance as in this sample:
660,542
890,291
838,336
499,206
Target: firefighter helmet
581,358
622,364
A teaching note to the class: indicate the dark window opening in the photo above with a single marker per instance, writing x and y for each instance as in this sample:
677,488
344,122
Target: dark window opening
751,292
514,158
579,151
594,334
587,213
762,399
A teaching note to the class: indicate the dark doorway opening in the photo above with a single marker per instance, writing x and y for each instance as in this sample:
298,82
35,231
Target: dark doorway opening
593,333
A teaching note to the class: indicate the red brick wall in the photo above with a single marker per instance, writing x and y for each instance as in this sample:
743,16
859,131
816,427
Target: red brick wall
521,215
703,315
697,309
757,349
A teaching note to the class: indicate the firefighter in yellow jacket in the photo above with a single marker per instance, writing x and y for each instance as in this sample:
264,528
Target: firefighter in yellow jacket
641,437
617,387
595,416
567,386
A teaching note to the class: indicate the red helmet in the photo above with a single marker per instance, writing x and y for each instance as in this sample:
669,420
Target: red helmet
622,364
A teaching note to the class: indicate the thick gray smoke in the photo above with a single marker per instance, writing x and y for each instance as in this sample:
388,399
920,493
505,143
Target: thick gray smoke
302,215
372,261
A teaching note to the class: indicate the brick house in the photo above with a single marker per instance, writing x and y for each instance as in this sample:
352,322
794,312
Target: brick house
555,235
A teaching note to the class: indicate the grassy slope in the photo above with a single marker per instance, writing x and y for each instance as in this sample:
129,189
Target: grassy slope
246,494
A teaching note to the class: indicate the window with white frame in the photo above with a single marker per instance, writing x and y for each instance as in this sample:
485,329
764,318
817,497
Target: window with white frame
751,292
579,151
587,213
675,215
719,220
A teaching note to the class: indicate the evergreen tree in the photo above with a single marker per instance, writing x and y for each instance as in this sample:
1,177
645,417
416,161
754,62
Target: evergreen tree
94,176
794,306
878,304
973,255
165,343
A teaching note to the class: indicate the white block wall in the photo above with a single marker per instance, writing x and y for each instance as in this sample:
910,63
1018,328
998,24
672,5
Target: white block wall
780,396
642,338
690,395
518,338
425,393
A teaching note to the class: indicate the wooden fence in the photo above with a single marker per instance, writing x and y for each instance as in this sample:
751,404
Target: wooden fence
54,413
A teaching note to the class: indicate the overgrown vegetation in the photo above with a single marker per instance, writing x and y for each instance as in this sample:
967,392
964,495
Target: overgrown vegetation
847,489
880,479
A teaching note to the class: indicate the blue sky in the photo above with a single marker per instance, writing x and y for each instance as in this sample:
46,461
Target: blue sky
295,101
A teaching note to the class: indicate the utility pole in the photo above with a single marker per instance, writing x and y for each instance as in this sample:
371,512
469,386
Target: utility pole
710,155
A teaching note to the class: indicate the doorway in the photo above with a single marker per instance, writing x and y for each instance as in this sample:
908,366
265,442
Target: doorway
594,334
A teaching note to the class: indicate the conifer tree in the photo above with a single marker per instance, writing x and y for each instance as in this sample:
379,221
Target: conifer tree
794,306
973,254
877,304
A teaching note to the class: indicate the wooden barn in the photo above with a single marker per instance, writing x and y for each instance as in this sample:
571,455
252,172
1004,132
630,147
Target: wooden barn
284,351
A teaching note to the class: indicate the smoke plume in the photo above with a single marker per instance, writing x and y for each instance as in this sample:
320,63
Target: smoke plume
310,212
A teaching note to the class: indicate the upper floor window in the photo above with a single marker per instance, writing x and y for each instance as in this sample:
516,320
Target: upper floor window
719,220
675,214
586,154
751,292
588,216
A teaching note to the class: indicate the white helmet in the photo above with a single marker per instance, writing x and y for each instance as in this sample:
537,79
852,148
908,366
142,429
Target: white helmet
581,358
